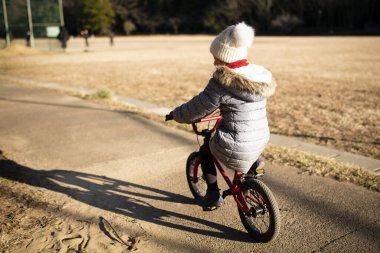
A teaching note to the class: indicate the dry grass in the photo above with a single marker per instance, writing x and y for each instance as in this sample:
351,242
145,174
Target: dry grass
102,94
18,50
322,166
328,89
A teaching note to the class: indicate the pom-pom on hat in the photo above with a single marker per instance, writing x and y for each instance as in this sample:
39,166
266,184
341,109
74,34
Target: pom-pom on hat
232,43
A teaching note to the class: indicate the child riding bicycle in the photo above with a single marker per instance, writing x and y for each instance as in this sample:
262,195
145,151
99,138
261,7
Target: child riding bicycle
239,89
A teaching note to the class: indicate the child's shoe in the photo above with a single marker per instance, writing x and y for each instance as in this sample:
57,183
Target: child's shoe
212,200
257,169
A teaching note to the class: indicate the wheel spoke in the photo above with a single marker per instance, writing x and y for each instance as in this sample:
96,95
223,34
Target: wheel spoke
261,223
197,188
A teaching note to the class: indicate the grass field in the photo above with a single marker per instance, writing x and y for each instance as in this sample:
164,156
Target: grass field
328,87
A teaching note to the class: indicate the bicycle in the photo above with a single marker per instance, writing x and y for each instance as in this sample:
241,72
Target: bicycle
258,209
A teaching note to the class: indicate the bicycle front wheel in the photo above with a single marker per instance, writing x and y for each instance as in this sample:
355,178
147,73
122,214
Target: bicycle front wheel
194,176
263,220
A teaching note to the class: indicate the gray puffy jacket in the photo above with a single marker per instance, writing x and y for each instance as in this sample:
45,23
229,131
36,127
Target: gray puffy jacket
240,94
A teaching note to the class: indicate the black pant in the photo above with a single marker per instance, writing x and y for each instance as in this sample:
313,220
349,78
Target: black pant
208,167
209,170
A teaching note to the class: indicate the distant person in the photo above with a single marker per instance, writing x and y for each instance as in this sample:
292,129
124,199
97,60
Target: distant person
10,36
240,90
27,37
84,33
63,36
111,35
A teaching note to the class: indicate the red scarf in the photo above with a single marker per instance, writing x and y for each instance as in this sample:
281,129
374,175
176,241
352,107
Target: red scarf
238,64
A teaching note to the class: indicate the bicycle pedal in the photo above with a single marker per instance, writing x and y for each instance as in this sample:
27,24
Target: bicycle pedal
210,208
226,193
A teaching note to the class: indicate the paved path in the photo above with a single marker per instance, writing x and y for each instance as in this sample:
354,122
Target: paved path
126,168
290,142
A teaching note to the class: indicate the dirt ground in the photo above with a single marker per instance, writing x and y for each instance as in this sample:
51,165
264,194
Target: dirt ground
36,220
328,87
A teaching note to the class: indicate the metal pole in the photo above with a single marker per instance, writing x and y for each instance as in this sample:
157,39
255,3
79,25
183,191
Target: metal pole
30,24
7,37
61,13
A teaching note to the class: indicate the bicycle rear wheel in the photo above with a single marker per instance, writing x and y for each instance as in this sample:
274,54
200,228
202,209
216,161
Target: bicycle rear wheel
263,220
199,187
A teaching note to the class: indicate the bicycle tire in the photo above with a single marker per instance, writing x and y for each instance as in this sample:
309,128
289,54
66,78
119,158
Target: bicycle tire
261,193
197,189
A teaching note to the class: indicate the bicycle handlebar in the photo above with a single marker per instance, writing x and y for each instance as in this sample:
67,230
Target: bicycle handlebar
217,118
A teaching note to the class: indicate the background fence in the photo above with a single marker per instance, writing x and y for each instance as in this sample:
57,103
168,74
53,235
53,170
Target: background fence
44,21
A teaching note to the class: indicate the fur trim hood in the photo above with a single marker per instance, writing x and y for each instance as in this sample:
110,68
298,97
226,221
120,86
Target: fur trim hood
248,81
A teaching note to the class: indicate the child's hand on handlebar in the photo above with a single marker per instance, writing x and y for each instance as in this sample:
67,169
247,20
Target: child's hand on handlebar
169,116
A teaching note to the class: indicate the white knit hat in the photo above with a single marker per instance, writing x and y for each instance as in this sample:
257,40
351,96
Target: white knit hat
232,43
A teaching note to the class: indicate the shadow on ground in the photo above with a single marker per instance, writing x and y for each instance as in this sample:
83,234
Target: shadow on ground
333,212
118,196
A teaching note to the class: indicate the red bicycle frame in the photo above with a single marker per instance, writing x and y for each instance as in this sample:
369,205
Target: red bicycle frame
217,118
235,186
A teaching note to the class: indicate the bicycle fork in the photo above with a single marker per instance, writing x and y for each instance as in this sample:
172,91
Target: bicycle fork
237,191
